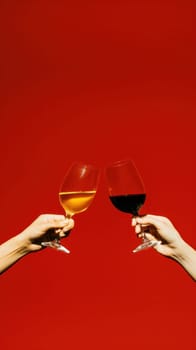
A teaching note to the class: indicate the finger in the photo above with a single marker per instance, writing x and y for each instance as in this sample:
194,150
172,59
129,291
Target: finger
57,231
140,235
53,220
65,231
158,219
138,229
69,225
150,237
150,220
133,221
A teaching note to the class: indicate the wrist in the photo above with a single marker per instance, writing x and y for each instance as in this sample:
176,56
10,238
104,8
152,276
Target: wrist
185,255
11,251
181,252
21,244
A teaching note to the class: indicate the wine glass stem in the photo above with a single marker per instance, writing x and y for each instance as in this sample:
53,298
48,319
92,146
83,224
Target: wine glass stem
69,215
142,232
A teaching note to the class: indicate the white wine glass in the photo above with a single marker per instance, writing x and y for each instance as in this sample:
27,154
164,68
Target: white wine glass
76,193
127,192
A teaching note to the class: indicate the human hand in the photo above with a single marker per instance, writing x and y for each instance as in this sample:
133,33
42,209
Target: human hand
161,229
45,228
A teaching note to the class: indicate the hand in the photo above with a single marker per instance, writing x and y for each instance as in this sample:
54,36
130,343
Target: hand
45,228
161,229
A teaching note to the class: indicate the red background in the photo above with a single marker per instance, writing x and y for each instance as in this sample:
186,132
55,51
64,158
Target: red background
97,81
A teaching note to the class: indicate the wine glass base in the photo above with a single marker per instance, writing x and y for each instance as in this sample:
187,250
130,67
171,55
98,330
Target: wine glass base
146,245
61,248
56,245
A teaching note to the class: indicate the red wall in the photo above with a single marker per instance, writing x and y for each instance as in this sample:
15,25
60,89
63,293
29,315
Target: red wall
97,81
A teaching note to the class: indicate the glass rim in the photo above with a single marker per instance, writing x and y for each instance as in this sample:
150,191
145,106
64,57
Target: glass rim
82,164
120,163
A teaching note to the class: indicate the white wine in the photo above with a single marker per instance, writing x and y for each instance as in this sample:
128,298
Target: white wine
76,202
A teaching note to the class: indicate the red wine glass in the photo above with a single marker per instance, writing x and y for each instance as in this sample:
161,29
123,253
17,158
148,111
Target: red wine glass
127,192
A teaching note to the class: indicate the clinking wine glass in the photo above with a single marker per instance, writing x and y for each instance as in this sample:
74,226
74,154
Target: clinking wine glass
127,192
76,193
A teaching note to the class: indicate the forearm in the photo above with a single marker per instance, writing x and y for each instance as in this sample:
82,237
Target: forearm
185,255
11,251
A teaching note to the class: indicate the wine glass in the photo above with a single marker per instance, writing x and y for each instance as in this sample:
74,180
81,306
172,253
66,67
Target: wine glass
76,193
127,192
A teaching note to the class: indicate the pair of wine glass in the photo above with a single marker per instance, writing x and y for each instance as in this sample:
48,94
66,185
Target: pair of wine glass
125,187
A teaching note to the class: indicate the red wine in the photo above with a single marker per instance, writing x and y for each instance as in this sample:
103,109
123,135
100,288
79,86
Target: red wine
128,203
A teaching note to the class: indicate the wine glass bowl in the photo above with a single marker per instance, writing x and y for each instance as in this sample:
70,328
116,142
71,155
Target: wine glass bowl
127,192
78,188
